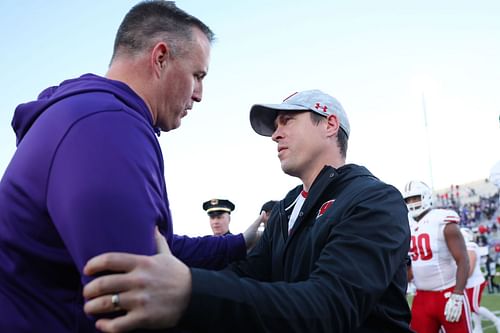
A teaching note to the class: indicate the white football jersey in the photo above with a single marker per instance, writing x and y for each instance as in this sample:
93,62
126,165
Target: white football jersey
477,276
433,266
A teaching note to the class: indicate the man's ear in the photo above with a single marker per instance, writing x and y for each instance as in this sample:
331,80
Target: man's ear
333,125
160,57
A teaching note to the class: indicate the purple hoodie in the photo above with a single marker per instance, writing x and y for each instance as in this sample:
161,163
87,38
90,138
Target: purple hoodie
87,177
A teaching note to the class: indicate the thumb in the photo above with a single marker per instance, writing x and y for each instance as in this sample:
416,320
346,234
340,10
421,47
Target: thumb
161,243
261,218
264,217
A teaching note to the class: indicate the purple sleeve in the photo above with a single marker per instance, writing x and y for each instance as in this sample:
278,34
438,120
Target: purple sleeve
105,189
209,252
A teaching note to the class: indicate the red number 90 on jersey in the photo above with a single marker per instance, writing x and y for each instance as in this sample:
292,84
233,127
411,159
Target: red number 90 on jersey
420,247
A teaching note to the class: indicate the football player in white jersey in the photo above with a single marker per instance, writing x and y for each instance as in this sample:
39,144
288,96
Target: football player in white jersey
439,263
475,284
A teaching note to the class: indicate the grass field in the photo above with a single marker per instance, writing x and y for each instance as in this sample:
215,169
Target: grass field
490,301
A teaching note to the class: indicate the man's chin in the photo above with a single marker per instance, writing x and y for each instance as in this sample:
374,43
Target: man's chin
177,123
288,170
285,167
172,127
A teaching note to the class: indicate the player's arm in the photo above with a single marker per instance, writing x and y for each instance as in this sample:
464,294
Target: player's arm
456,245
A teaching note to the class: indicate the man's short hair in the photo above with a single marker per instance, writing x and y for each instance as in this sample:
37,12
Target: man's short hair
149,22
341,135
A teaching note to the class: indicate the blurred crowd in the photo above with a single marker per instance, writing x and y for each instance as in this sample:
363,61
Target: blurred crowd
474,208
478,211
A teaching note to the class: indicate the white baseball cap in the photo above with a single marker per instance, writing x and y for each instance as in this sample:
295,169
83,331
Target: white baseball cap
262,116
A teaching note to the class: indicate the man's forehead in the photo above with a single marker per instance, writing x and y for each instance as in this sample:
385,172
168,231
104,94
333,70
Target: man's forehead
197,51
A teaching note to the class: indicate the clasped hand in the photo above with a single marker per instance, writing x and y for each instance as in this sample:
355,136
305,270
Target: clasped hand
150,299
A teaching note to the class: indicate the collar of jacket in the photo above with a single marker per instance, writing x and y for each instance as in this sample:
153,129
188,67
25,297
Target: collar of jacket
326,176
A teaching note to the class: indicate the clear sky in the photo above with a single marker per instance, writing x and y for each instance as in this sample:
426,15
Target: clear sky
381,59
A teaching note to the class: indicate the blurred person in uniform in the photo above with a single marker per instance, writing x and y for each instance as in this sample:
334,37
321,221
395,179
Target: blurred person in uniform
219,213
482,239
476,283
331,259
491,270
439,264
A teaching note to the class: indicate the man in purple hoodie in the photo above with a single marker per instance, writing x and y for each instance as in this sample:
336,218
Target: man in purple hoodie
88,176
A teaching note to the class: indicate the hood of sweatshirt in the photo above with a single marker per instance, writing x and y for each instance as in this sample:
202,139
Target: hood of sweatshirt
27,113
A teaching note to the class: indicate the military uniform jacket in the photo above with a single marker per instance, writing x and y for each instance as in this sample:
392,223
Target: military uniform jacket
341,269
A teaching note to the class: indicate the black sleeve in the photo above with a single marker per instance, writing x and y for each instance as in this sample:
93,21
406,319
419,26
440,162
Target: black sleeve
257,264
363,254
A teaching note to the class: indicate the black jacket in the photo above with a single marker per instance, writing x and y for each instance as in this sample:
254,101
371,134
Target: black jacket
341,269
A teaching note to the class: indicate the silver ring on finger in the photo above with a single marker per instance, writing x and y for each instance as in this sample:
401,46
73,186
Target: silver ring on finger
115,300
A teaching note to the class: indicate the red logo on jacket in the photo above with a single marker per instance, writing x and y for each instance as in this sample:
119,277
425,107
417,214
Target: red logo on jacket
325,207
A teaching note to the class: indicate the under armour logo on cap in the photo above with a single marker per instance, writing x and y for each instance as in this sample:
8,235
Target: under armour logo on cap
262,116
319,106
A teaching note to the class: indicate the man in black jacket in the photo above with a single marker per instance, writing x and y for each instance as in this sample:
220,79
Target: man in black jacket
332,258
